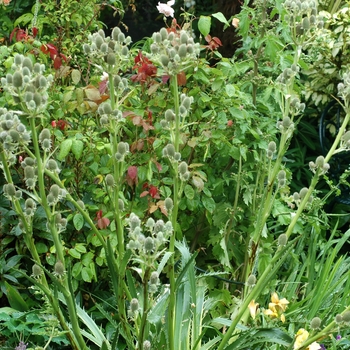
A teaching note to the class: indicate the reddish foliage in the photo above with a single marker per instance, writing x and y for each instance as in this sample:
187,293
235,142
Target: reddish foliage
61,124
151,190
55,55
102,222
22,35
145,69
131,176
213,42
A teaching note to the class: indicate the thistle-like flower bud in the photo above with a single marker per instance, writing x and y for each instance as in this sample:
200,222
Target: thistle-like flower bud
286,122
44,134
338,319
36,271
303,192
164,60
149,244
319,161
109,180
282,240
134,305
164,33
111,59
46,145
18,59
87,49
168,203
306,23
81,204
182,52
123,148
52,165
346,316
251,281
154,279
9,190
120,205
17,80
315,323
59,269
55,190
98,41
169,115
183,168
29,172
27,62
134,221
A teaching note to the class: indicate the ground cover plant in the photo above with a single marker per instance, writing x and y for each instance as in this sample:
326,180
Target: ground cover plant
155,194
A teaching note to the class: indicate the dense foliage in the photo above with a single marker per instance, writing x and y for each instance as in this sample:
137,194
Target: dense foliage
158,195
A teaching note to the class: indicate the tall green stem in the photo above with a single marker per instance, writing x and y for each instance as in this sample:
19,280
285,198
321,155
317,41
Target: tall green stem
172,297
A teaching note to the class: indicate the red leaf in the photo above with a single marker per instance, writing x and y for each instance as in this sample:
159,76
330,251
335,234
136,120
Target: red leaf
103,223
34,31
132,172
153,191
144,194
57,63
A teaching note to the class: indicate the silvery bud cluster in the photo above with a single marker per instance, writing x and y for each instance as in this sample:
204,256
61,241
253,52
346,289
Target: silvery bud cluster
29,207
122,151
112,49
60,222
271,149
55,194
27,83
45,139
183,171
12,132
174,51
286,126
320,165
296,105
345,140
281,177
344,88
302,16
141,245
169,152
185,105
298,197
30,172
106,113
11,193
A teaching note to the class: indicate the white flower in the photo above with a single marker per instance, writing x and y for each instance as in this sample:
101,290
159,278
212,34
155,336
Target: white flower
166,9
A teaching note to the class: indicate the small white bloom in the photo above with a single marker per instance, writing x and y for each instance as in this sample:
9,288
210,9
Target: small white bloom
166,9
104,76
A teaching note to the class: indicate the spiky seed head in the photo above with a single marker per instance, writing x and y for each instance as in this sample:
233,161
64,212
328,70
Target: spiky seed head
315,323
182,50
9,189
29,172
169,115
150,223
29,203
164,60
52,165
27,62
46,144
98,41
111,59
18,59
183,168
281,175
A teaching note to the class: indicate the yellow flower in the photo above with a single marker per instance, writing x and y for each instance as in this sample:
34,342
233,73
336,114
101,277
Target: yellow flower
279,304
300,338
253,307
277,307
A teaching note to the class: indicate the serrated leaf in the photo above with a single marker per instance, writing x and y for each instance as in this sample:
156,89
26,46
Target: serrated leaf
76,75
204,24
189,192
65,147
78,221
77,148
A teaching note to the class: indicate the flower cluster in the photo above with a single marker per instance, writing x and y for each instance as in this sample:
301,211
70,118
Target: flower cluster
298,197
166,9
174,50
6,3
320,165
286,126
27,84
277,307
13,133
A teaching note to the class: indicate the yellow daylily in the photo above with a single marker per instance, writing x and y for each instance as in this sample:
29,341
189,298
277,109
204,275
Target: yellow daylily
277,307
253,307
300,339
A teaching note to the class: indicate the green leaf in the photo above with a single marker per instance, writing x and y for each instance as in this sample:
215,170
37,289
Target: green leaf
15,299
219,16
204,24
230,90
23,20
65,147
78,221
75,254
208,203
189,192
77,148
80,247
86,274
76,75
